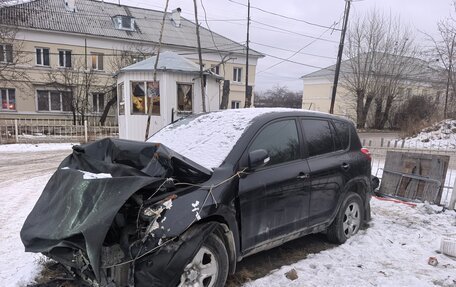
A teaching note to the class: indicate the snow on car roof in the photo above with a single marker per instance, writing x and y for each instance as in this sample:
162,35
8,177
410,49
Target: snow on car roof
207,139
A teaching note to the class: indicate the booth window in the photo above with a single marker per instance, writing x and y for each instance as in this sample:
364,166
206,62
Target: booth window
143,95
184,98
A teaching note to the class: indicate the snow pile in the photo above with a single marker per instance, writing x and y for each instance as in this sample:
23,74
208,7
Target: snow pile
18,268
393,251
441,135
36,147
209,138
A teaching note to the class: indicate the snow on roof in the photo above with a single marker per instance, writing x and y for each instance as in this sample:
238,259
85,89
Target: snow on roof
207,139
166,61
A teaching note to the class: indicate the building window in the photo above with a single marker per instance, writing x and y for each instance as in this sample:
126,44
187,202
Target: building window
98,102
96,61
425,92
235,104
42,56
184,98
215,69
65,58
145,95
122,22
237,75
6,53
54,101
8,99
120,96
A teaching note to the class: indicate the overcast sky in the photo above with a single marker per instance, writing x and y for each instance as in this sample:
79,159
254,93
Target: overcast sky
225,17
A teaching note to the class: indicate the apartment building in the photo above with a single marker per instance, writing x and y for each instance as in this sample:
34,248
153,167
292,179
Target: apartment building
60,55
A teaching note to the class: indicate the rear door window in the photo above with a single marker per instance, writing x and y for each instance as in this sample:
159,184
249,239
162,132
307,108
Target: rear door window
343,133
280,139
319,139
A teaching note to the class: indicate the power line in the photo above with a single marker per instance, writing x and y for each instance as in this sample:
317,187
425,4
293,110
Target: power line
288,50
290,61
284,16
297,33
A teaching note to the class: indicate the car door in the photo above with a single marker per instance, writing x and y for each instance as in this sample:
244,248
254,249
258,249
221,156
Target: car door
273,199
328,164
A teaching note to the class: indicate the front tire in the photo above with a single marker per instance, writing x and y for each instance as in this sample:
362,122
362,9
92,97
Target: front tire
209,267
349,219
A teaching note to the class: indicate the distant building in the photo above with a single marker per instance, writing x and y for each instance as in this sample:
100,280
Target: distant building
69,51
317,87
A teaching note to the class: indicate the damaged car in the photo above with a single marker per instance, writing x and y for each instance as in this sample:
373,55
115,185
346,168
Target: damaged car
201,194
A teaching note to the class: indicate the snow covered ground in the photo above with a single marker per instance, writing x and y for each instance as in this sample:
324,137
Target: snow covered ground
393,251
35,147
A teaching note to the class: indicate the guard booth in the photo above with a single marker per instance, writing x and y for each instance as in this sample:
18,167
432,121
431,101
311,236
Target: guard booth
175,94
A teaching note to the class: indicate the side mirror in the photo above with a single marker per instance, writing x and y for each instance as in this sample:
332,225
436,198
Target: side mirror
258,158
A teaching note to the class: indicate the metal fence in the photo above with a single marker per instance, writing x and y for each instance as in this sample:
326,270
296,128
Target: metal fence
52,131
378,148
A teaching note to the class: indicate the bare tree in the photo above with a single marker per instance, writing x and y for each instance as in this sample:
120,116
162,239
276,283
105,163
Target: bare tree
12,57
381,54
78,83
444,50
121,58
278,96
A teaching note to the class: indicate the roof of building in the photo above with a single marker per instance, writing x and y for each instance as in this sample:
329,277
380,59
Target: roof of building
418,70
96,18
167,61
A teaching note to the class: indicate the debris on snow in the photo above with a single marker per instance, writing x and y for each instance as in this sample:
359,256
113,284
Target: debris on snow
292,274
433,261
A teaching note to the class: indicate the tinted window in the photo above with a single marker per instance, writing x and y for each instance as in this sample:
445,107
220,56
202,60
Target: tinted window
281,141
318,136
343,132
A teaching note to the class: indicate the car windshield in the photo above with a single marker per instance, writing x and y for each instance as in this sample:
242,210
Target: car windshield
207,139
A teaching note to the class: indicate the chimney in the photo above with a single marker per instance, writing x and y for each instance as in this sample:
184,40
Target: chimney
176,17
70,5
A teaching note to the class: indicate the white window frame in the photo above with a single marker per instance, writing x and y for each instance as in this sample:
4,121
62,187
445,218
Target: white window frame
237,74
121,98
65,58
177,97
237,104
42,56
96,107
5,54
118,22
215,69
50,110
97,62
7,100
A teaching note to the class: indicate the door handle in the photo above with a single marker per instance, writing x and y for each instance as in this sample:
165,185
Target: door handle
302,175
345,166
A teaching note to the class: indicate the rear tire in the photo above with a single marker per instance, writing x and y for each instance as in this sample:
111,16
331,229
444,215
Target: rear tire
348,221
209,267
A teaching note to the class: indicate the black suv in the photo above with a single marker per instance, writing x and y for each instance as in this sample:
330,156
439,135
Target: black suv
201,194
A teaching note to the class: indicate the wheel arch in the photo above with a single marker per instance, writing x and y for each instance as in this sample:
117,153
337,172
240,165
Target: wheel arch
226,235
360,186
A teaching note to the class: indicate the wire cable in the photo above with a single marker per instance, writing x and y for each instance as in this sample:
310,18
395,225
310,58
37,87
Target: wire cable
284,16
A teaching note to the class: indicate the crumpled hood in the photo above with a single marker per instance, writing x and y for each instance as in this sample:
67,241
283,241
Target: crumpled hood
80,201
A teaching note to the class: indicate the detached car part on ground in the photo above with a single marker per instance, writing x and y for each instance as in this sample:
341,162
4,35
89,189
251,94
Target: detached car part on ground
123,213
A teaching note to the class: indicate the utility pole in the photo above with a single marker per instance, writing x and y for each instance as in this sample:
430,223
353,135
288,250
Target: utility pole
248,98
339,55
86,103
203,94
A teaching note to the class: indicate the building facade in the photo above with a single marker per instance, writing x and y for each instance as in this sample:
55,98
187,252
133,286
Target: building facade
420,79
59,58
